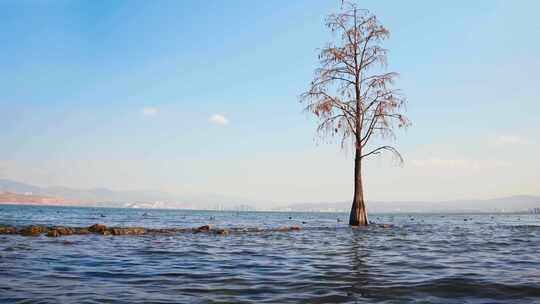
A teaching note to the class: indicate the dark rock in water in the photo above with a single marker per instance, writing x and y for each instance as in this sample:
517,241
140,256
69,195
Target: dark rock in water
222,231
59,231
209,228
102,215
8,230
33,230
128,231
386,225
167,231
160,231
284,229
64,230
98,228
204,228
53,233
81,231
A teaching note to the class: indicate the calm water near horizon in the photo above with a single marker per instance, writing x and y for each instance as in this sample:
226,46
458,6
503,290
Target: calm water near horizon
425,258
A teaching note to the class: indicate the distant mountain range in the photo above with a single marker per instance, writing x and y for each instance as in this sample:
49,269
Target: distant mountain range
126,198
87,196
32,199
157,199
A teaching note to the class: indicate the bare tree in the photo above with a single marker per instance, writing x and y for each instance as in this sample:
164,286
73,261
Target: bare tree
353,96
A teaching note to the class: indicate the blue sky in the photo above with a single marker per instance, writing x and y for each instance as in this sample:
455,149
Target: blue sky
202,97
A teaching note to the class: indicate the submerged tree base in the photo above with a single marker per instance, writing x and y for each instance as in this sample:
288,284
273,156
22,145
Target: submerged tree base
57,231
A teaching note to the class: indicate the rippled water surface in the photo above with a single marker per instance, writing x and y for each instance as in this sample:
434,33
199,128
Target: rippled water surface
423,259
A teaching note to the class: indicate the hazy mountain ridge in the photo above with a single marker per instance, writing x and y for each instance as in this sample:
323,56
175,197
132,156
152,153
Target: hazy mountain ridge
32,199
128,198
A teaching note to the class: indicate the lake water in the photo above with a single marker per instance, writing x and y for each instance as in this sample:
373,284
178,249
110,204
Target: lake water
465,258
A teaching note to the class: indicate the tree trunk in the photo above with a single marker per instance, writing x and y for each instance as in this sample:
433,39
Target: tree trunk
358,215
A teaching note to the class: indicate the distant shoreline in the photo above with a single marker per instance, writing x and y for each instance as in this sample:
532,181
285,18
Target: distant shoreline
457,212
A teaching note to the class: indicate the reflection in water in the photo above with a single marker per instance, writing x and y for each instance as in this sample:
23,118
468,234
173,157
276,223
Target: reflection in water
360,270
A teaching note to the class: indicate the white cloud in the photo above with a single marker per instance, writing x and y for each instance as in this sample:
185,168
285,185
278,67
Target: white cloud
440,163
219,119
149,111
511,140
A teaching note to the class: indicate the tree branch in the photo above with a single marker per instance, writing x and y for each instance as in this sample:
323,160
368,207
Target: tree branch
383,148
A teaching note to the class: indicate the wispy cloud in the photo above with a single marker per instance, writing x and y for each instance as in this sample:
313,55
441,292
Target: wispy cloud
149,111
219,119
457,163
511,140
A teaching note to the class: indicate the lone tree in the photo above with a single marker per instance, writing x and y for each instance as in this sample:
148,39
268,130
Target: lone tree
352,95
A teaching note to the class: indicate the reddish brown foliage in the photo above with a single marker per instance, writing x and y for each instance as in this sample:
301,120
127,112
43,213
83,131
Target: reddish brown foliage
350,93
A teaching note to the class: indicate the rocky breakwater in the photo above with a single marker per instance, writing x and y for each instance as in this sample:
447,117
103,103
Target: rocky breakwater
58,231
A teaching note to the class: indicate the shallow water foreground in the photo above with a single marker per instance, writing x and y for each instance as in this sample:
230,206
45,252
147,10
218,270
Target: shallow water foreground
424,259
